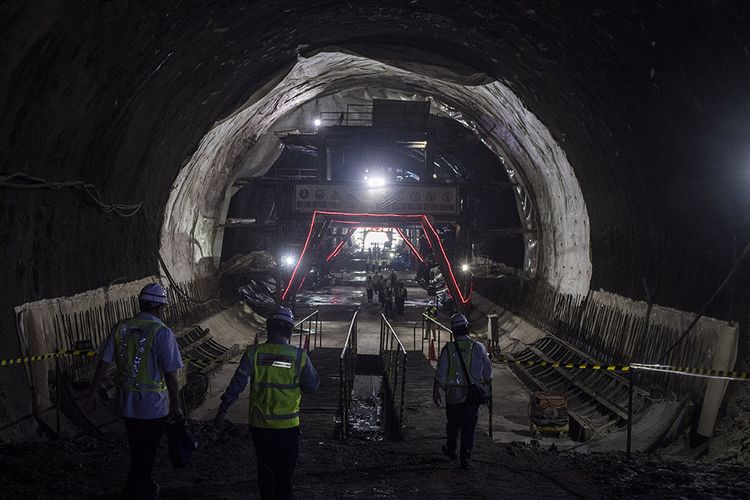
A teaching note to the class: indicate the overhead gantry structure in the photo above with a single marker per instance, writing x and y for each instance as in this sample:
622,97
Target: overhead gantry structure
321,223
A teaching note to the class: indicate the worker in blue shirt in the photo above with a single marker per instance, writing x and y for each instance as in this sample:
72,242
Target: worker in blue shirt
279,373
449,376
147,358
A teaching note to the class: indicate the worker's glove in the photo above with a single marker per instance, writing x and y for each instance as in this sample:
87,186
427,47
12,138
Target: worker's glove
219,421
436,397
175,415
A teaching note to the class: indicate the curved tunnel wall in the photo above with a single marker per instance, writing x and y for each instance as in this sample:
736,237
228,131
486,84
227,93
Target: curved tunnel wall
504,124
647,100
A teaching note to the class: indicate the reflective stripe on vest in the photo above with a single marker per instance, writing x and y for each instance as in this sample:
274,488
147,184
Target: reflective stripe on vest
134,339
455,376
275,393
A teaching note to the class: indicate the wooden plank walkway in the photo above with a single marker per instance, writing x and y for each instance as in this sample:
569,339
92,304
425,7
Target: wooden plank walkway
318,411
422,419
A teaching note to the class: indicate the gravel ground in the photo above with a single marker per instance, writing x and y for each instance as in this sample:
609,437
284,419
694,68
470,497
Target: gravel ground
87,467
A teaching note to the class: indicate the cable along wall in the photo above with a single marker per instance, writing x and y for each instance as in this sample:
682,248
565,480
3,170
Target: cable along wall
544,179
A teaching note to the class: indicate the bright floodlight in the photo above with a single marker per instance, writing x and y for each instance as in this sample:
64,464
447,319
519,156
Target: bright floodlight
288,260
465,268
376,182
317,122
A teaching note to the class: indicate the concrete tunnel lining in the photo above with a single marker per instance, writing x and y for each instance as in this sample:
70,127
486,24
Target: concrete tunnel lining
197,199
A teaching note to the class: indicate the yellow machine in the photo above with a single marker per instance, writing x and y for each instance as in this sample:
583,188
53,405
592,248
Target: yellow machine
548,414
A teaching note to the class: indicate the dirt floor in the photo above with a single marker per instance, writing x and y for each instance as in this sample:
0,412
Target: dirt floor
363,468
366,465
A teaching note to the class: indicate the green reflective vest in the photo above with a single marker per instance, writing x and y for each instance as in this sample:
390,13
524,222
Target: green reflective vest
275,392
455,376
431,311
134,339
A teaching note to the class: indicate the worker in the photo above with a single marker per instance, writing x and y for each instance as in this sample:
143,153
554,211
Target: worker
400,297
146,357
382,285
429,326
279,373
450,376
368,288
388,301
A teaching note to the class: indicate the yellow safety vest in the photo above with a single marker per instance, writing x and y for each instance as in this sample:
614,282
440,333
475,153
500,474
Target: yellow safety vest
275,393
134,339
455,376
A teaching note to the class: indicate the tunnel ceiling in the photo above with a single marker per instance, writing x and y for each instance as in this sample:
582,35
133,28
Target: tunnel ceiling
647,100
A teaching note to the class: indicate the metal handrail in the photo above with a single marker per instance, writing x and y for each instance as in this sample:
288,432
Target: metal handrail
347,372
312,319
394,358
440,328
395,336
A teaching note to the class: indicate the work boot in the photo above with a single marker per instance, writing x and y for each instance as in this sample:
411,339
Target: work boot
466,464
448,453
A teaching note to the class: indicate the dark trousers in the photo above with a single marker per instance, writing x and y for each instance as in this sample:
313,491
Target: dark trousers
143,440
388,308
276,452
400,306
369,295
462,418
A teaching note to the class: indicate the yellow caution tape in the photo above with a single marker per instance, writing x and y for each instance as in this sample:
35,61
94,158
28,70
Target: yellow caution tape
693,372
42,357
568,366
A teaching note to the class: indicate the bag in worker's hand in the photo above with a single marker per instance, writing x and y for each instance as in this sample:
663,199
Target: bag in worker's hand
182,443
478,395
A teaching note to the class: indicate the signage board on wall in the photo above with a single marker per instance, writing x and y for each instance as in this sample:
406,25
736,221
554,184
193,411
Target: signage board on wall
393,199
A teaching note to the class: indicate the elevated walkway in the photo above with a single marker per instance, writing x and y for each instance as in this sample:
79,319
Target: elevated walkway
318,411
422,419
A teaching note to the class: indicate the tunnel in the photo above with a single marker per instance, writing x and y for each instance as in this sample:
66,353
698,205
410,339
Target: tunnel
570,176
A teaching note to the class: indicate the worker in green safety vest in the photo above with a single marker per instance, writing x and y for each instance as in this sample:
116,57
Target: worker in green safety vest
147,358
279,373
458,359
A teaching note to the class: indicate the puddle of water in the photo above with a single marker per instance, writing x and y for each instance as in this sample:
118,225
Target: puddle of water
365,418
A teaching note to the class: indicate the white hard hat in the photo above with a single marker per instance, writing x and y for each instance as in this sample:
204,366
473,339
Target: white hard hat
283,314
458,320
153,293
